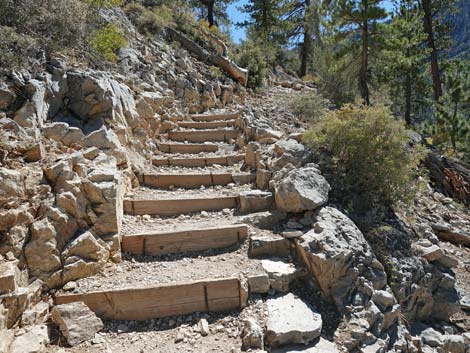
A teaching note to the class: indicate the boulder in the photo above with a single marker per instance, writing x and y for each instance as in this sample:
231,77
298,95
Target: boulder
301,190
291,321
76,322
322,346
339,257
93,95
86,246
290,146
34,340
106,140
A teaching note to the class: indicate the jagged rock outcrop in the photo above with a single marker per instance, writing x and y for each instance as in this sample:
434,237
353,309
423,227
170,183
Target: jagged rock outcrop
338,256
423,286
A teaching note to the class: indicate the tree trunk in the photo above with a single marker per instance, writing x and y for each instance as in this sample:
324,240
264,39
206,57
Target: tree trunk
428,29
449,176
307,44
210,13
363,73
408,98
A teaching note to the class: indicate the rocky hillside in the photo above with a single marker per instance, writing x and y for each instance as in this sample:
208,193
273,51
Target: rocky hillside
157,206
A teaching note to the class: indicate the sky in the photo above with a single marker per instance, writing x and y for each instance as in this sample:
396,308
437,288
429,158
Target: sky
236,15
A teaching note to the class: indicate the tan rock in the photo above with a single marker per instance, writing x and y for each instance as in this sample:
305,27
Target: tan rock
9,276
41,252
76,322
33,341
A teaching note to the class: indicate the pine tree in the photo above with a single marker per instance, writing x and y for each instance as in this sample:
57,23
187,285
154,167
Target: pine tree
264,19
453,108
404,57
356,23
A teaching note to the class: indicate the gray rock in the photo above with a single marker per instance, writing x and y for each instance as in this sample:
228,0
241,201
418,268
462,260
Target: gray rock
280,274
269,245
291,321
252,334
265,220
255,201
454,344
259,283
33,341
431,337
301,190
76,322
289,146
383,299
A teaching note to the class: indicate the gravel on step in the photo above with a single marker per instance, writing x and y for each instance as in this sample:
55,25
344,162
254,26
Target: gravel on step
141,271
145,193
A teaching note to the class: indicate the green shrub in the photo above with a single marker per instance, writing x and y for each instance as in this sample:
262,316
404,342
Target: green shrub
368,159
149,21
106,41
309,106
253,58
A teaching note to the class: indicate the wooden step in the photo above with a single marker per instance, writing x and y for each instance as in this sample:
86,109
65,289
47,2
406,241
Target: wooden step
222,135
215,116
207,124
199,161
170,242
144,303
194,180
173,207
190,148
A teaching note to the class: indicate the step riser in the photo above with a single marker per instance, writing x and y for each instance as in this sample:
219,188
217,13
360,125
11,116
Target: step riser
187,149
162,301
203,135
199,162
206,124
215,117
176,207
191,240
192,181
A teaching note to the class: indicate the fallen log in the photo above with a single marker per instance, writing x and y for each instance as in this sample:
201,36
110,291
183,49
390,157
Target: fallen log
237,73
449,176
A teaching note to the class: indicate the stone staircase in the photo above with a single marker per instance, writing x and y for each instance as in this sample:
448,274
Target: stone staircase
184,247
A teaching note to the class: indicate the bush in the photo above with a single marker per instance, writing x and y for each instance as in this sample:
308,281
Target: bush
309,106
149,21
106,41
369,161
253,58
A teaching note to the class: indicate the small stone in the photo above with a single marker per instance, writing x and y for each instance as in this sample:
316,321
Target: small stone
203,326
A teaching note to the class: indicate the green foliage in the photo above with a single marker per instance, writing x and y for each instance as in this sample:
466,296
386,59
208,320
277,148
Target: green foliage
253,58
150,21
451,130
335,77
106,41
402,63
104,3
309,106
368,160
